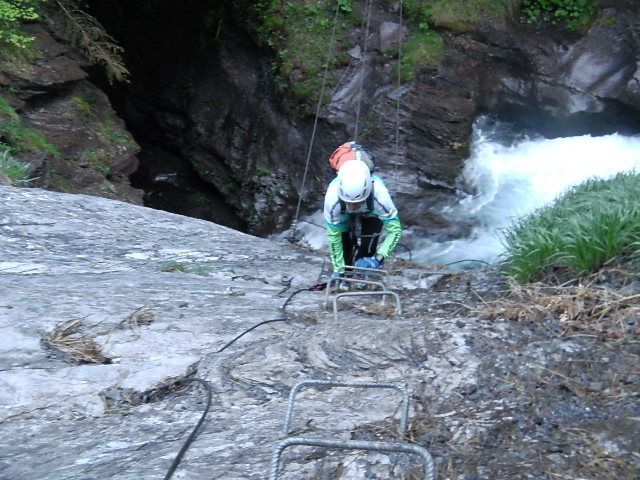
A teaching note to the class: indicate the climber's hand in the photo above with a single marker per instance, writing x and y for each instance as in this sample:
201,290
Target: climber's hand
368,262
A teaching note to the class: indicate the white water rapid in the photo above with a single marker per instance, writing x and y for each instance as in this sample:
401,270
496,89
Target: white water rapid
511,175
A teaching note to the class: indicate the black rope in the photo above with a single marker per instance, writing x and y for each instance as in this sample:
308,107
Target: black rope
207,385
194,433
284,305
314,224
468,260
407,249
285,319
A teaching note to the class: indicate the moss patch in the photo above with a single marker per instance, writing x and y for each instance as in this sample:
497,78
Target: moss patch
424,49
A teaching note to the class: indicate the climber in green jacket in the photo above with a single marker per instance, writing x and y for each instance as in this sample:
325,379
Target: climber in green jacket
355,193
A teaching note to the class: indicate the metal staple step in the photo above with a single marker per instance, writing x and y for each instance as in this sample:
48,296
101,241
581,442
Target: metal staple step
404,419
427,460
362,294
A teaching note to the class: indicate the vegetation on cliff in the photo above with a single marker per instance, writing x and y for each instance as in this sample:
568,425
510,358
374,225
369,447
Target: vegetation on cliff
13,41
300,32
594,224
69,19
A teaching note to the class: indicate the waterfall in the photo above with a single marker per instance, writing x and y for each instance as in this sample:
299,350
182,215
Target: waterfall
512,174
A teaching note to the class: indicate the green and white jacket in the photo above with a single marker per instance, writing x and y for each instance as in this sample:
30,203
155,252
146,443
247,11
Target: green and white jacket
338,220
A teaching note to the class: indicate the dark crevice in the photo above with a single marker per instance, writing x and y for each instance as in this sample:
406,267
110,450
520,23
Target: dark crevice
162,45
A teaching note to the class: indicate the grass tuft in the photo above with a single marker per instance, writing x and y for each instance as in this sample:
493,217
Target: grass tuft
583,230
15,170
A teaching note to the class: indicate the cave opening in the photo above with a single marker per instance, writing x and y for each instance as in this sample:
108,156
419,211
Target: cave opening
163,43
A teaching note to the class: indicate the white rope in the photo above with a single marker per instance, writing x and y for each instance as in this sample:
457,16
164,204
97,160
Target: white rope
397,148
315,122
364,64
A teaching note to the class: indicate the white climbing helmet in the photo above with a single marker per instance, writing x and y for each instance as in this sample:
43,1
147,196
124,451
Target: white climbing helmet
354,181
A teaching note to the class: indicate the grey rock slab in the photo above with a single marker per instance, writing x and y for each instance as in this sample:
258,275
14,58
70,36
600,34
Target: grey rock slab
159,294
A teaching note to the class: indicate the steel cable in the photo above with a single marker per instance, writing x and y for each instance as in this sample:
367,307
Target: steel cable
315,121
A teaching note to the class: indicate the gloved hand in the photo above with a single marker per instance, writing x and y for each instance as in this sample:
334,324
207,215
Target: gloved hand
368,262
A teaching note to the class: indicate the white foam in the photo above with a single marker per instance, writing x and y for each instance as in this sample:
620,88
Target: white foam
511,181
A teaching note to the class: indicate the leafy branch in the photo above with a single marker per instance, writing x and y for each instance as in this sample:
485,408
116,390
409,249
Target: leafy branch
86,33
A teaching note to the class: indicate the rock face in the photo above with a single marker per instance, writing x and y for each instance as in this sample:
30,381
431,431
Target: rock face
82,146
105,304
222,143
213,104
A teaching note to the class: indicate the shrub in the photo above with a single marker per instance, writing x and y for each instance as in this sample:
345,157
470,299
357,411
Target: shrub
575,14
589,226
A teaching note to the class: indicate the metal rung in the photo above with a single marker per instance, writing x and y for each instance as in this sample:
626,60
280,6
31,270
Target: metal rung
362,294
404,419
429,468
334,281
368,271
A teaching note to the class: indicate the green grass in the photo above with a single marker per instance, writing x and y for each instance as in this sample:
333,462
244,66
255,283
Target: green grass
7,110
111,131
589,226
300,33
424,49
99,159
18,136
181,267
458,15
262,172
83,105
15,170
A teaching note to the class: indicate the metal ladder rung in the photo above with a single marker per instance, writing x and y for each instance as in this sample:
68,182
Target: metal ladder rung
362,294
428,465
404,419
335,281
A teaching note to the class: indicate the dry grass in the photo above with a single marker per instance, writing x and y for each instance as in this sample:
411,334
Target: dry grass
588,308
75,347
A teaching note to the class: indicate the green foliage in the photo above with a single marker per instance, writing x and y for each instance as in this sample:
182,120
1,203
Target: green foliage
86,33
108,129
300,33
17,171
99,159
7,110
575,14
181,267
58,182
84,105
13,41
423,49
18,136
262,172
458,15
590,225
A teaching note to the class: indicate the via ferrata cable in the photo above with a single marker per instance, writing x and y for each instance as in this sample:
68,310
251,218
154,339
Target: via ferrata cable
315,121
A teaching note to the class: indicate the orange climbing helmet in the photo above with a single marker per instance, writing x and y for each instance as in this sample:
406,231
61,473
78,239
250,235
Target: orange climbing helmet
350,151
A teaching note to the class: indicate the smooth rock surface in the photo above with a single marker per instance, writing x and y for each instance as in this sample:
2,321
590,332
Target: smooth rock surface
104,263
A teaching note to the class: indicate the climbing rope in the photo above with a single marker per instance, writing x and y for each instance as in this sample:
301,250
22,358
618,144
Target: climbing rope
397,146
363,69
194,432
315,121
